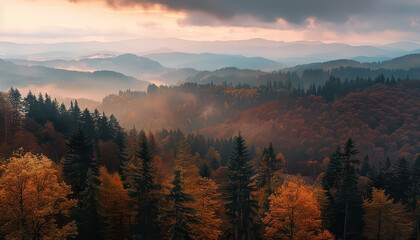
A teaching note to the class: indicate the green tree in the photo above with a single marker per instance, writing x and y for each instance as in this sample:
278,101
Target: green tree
205,171
240,204
90,220
78,160
179,213
141,179
400,181
349,201
365,169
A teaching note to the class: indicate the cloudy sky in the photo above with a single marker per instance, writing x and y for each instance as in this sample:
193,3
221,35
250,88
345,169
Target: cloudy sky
349,21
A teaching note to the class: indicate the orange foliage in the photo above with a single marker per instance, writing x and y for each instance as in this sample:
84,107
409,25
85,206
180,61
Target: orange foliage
32,198
114,203
294,213
384,121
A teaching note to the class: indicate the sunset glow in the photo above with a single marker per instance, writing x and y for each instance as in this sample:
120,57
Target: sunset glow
56,21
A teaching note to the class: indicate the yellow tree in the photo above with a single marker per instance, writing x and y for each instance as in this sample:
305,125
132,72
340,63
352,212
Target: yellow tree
384,219
294,213
207,202
114,204
205,193
32,199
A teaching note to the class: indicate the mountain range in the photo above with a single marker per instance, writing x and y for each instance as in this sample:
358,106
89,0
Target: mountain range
287,53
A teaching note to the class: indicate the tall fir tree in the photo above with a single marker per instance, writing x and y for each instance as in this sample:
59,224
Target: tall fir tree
349,200
179,214
143,189
78,160
91,222
332,174
365,169
240,205
87,124
400,181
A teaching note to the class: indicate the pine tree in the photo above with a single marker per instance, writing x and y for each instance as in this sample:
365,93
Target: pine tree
349,200
268,165
77,161
179,214
400,181
387,163
143,188
91,222
87,124
365,167
205,171
240,204
332,174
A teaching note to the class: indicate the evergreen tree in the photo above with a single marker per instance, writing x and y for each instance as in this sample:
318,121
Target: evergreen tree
349,201
268,165
179,214
365,167
87,124
205,171
388,163
333,172
91,222
75,112
240,204
143,189
78,160
400,181
15,99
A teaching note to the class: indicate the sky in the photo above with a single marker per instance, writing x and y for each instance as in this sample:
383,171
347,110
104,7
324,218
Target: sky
355,22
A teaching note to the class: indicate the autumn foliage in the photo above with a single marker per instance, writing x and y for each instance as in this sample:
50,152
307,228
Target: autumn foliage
294,213
33,202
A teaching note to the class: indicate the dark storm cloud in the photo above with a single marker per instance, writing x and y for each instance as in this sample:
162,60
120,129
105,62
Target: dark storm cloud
294,11
375,15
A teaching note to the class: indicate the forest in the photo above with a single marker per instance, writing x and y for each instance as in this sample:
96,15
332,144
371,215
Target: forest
335,161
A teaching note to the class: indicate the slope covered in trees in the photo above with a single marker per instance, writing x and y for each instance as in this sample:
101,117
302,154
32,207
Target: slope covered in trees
99,181
384,120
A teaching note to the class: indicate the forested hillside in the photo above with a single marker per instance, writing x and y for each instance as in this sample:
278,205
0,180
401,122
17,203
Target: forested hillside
215,162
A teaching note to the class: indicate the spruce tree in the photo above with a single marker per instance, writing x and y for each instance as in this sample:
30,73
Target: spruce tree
91,222
78,160
330,183
268,165
87,124
349,201
143,188
205,171
240,204
332,174
179,213
387,163
365,169
400,181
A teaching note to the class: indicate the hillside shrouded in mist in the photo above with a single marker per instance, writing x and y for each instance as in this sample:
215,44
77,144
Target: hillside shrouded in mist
209,120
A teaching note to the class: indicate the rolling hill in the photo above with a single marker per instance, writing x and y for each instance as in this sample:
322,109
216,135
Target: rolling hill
93,85
210,62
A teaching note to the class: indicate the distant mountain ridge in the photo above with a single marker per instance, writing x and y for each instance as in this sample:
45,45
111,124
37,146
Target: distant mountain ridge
406,62
290,53
93,85
211,62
